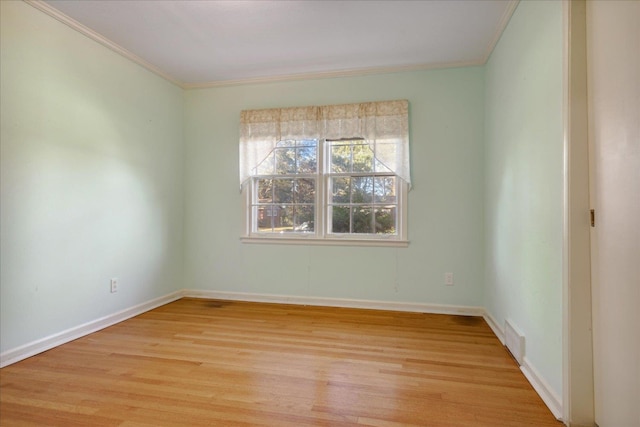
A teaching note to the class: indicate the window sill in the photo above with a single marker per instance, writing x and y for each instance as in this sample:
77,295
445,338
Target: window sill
309,241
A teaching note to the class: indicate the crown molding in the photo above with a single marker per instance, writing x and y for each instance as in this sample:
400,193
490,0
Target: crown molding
504,21
332,74
72,23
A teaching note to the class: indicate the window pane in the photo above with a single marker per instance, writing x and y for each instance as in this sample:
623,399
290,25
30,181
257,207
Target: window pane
266,215
386,220
285,160
362,219
307,159
286,143
340,192
385,189
362,158
283,190
305,191
380,167
307,143
266,166
286,219
304,219
340,219
265,191
362,189
340,158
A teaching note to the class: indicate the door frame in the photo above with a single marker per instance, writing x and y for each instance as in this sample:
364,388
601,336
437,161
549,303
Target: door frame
578,385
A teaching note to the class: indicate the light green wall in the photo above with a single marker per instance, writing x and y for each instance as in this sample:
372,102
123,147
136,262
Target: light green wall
445,205
93,185
524,183
91,179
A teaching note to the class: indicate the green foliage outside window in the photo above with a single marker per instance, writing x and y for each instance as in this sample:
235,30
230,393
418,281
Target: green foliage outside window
362,191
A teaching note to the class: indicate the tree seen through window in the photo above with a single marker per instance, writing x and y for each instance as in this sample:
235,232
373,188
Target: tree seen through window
361,191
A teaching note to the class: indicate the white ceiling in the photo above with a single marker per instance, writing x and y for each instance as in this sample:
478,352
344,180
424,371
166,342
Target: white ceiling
198,43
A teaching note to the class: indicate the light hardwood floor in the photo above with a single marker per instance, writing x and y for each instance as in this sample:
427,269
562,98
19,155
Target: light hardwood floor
218,363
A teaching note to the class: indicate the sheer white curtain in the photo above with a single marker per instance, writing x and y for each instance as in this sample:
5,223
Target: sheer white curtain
261,130
383,125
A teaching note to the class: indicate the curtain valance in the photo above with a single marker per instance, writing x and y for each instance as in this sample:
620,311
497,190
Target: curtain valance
383,125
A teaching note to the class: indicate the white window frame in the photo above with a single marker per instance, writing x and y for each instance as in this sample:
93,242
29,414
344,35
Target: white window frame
320,235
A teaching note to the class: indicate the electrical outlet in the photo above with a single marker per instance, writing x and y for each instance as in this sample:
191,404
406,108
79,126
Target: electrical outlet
448,279
114,285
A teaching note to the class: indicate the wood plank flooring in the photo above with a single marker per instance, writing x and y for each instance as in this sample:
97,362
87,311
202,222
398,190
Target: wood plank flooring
200,362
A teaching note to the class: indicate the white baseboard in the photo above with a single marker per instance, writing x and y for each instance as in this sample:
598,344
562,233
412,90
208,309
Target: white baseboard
514,340
20,353
337,302
31,349
494,325
549,397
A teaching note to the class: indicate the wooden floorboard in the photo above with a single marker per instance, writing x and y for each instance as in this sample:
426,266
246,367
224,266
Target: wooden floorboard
199,362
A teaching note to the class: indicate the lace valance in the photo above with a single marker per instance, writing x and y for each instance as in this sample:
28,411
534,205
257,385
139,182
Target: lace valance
383,125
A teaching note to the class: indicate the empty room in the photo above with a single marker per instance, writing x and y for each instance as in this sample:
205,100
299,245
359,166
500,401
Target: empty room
337,213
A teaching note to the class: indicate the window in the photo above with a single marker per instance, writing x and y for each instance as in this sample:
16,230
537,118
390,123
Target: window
284,189
361,191
336,174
